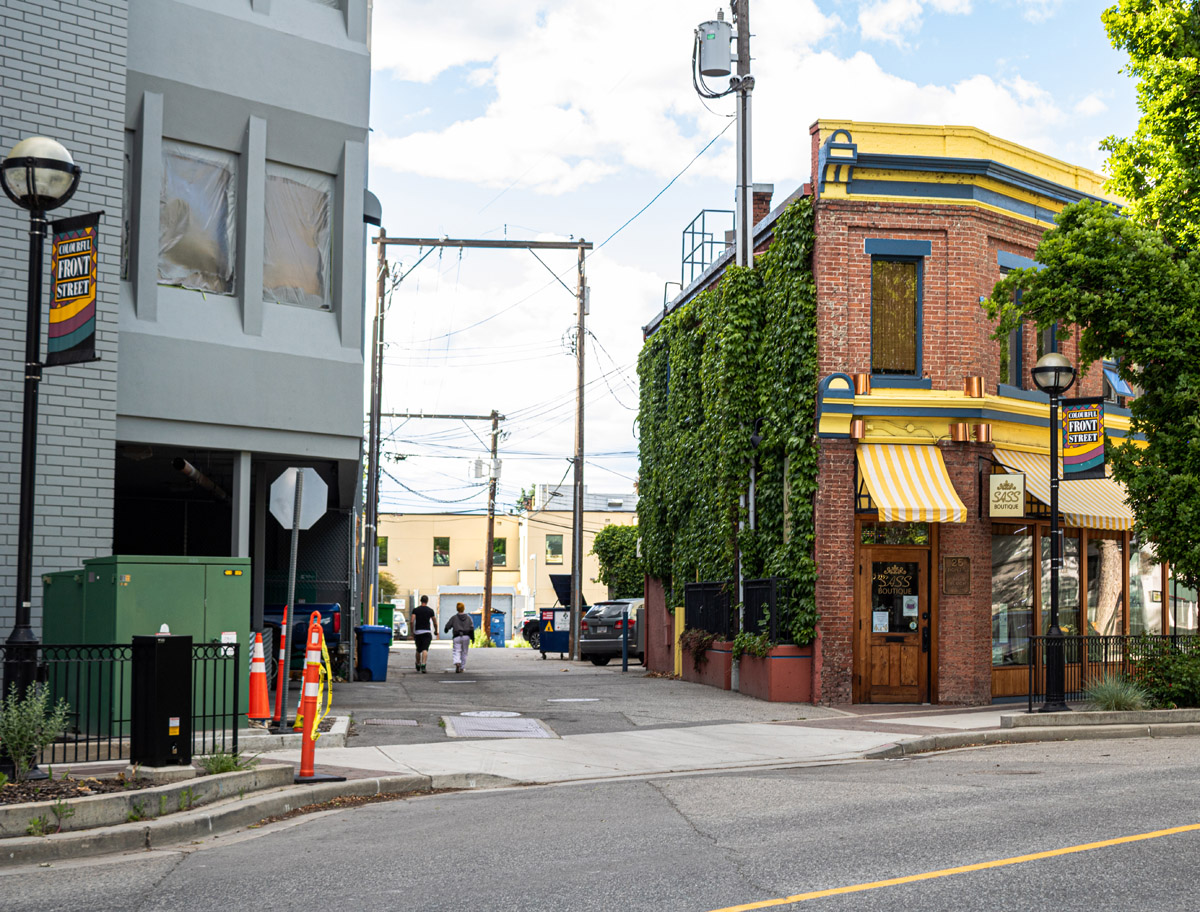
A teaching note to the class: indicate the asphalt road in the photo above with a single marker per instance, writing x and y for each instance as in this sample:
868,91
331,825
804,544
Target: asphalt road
709,842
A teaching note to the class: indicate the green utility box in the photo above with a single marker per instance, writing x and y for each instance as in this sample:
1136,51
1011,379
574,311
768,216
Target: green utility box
113,599
385,614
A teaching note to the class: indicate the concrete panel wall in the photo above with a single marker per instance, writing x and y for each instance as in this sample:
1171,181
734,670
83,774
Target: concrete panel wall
63,68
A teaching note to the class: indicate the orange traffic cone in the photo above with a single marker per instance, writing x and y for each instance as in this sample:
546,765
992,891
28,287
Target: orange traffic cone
260,702
308,705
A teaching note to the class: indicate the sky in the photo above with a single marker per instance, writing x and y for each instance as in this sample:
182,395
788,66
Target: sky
563,119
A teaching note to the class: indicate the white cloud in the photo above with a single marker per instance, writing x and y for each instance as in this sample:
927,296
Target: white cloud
890,20
1039,10
1091,105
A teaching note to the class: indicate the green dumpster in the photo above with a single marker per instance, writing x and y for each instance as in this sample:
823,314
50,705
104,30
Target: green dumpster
385,614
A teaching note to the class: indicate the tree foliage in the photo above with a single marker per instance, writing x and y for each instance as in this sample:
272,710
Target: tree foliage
620,568
742,351
387,586
1158,168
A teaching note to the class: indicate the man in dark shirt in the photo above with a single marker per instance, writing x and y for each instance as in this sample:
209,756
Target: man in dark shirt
422,623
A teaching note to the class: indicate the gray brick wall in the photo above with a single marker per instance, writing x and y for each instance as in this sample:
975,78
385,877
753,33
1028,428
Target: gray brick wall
62,75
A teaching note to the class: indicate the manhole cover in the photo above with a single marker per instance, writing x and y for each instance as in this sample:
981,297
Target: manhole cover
491,714
574,700
389,721
497,728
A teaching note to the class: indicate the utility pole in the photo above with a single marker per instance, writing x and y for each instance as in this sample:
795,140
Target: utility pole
491,535
370,565
577,511
744,84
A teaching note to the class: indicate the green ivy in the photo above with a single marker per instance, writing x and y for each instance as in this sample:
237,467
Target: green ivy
744,350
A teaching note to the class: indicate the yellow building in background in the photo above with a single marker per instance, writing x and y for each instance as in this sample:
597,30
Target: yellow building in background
432,553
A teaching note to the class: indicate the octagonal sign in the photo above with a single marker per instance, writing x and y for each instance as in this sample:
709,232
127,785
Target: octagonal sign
314,497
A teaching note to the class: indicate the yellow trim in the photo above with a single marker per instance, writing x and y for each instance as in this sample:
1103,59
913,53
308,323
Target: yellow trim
963,869
964,142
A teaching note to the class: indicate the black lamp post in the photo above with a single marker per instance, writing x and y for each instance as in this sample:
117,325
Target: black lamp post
1054,375
38,175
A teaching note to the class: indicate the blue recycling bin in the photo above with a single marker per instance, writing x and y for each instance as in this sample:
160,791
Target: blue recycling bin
497,633
372,641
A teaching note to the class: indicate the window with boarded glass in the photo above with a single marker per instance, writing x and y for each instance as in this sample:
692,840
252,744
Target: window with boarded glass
895,316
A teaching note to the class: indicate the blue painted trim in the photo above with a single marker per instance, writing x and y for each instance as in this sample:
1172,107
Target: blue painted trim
1110,409
1120,387
824,157
890,247
832,436
920,264
923,190
1015,392
1006,260
840,408
981,167
899,381
823,389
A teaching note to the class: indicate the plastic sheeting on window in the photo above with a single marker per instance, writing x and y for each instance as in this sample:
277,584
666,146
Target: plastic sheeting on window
196,227
296,243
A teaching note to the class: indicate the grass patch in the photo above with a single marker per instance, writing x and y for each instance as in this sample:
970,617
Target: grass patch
1116,694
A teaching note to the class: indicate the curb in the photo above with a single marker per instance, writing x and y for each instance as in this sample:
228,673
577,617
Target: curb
264,743
220,817
1029,735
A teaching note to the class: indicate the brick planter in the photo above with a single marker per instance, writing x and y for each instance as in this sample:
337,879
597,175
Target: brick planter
784,676
715,670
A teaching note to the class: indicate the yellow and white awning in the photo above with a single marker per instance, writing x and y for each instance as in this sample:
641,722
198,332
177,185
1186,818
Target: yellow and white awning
909,483
1091,503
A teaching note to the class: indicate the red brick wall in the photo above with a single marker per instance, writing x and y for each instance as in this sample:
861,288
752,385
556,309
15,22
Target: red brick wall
762,206
660,629
833,653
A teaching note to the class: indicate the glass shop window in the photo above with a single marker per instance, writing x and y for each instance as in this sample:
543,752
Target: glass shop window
1182,607
1105,562
1068,583
197,218
296,237
880,533
1012,594
1145,589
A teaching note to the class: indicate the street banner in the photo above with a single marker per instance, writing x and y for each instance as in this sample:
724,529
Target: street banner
73,264
1083,438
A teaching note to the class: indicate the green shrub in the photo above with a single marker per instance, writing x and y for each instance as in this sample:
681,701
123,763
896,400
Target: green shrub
28,724
3,780
222,762
1169,676
1115,694
481,640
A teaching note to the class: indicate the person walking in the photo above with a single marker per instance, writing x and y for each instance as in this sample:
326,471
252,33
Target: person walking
462,629
422,622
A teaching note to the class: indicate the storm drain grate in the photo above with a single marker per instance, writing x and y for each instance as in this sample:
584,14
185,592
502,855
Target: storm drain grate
389,721
474,727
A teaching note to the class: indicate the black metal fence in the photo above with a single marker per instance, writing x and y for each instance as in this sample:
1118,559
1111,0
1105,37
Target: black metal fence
1090,659
95,681
764,603
707,607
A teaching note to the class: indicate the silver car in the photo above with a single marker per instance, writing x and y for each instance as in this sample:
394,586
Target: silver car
602,631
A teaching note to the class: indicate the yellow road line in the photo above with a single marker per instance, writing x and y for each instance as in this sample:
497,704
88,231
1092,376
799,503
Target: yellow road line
964,869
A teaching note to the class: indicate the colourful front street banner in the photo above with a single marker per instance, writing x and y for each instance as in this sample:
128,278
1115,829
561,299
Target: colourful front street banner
73,264
1083,438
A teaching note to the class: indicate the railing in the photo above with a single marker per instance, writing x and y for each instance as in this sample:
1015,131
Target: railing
706,606
95,680
764,602
1089,659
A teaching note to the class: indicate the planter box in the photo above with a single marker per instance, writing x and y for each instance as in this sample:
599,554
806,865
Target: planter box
715,670
784,676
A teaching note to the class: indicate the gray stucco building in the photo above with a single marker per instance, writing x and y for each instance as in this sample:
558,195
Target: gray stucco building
226,143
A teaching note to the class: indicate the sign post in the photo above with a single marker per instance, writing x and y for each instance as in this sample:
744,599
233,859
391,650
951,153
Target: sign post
298,505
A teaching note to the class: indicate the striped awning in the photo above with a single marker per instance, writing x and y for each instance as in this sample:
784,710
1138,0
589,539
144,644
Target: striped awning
909,483
1090,503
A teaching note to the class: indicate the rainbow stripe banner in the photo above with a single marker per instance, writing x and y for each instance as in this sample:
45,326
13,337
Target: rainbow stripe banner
1083,438
73,265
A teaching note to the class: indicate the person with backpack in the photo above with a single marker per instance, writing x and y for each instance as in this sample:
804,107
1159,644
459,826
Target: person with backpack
461,628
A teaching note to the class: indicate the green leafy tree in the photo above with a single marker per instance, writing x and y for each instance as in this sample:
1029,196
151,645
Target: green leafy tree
387,586
620,567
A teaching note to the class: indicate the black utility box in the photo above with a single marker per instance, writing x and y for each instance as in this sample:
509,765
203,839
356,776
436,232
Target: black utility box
161,701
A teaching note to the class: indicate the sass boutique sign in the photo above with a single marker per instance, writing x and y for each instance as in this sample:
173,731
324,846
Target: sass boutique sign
1083,438
73,264
1006,495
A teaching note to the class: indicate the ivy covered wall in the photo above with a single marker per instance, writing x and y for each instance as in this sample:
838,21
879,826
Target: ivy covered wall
742,351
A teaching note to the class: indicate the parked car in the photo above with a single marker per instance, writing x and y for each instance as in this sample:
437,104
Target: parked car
602,631
531,630
399,628
331,625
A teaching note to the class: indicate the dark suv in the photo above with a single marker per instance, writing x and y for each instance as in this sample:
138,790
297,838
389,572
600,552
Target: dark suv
602,631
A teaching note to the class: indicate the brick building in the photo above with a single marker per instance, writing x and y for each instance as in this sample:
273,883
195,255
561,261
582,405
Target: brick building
925,593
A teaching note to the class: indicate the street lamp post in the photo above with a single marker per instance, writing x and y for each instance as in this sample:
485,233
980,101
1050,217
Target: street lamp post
1054,375
38,175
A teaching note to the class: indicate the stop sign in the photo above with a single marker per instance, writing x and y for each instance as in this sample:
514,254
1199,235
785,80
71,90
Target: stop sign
313,497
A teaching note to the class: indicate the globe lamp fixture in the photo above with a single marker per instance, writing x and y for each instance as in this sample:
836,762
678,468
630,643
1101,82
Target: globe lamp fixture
39,174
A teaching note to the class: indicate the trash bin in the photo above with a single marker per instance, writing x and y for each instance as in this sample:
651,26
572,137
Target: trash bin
372,641
498,628
385,616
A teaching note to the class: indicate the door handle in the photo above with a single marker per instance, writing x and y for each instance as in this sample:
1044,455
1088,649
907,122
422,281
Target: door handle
924,639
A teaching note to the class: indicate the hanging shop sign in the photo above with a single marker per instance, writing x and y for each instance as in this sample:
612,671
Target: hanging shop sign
74,260
1006,495
1083,438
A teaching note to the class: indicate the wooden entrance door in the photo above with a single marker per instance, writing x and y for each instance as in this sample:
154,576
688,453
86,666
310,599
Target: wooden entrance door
894,625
